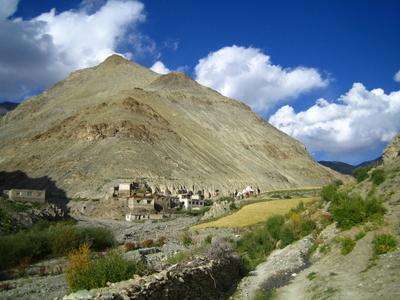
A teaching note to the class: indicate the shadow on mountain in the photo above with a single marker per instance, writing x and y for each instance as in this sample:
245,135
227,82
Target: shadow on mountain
20,180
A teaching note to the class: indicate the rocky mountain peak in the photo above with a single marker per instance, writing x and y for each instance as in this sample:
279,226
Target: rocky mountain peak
116,59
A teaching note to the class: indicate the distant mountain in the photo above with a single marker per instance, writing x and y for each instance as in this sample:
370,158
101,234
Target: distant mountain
5,107
374,162
338,166
119,121
348,169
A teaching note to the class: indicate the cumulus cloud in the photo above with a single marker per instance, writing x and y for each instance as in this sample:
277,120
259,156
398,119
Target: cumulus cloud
160,68
7,8
249,75
43,50
361,120
396,76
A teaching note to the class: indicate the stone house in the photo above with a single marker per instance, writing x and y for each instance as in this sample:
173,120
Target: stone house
37,196
191,202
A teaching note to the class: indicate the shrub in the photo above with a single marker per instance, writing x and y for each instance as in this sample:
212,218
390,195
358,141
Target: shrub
147,243
384,243
360,235
161,241
348,210
50,241
312,276
186,239
84,272
274,226
361,173
257,244
232,206
130,246
329,192
208,239
286,235
347,245
178,257
378,176
324,249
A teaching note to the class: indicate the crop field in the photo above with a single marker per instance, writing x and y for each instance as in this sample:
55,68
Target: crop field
255,213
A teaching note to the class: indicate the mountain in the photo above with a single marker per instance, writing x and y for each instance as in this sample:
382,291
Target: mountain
6,107
119,121
348,169
338,166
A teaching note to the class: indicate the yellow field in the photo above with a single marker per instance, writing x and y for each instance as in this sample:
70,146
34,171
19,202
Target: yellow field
255,213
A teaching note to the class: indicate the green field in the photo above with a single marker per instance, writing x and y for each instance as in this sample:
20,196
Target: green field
255,213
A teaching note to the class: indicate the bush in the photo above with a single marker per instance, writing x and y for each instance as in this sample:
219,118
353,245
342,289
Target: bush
147,243
130,246
55,240
274,226
312,276
232,206
161,241
186,239
361,173
347,245
84,272
257,244
384,243
208,239
360,235
329,192
348,210
378,176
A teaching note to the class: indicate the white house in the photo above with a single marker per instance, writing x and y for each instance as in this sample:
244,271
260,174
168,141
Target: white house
194,202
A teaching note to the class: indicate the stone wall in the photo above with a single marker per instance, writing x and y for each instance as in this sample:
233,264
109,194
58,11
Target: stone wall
202,278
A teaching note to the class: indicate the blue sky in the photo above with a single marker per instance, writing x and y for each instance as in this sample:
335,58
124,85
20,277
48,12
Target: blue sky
343,42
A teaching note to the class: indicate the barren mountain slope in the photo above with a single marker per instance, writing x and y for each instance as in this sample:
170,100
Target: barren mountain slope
119,121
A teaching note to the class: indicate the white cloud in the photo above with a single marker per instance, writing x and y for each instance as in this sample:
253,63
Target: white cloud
90,38
248,74
46,48
396,76
8,8
360,121
160,68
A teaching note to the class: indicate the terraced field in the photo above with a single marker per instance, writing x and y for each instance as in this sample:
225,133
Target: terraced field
255,213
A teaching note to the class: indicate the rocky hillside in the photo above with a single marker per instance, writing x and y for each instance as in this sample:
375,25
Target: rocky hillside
119,121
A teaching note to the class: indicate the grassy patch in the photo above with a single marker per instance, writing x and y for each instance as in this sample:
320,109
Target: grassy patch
361,173
312,276
256,213
324,249
179,257
186,239
347,245
378,176
50,241
84,272
384,243
360,235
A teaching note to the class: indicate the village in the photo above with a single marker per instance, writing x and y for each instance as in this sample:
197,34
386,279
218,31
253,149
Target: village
143,202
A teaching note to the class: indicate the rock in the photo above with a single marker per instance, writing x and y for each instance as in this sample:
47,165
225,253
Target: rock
80,295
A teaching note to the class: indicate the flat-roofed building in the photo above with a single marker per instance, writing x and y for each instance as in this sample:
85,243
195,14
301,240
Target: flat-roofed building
38,196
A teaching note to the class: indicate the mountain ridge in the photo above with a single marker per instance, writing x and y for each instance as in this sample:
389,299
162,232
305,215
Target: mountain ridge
118,121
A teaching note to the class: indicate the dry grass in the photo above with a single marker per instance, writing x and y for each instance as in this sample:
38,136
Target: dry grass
255,213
